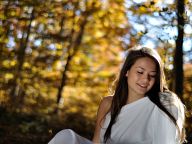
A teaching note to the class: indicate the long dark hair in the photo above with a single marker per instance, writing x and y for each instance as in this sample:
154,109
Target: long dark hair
120,95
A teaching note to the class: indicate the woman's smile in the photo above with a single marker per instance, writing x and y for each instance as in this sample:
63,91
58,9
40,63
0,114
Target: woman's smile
141,77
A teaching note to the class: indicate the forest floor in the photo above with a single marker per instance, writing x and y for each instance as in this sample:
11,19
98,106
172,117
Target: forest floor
20,128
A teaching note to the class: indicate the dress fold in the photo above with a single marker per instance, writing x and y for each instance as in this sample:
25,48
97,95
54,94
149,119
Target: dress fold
140,122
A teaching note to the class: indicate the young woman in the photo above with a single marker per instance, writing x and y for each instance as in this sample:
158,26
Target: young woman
141,111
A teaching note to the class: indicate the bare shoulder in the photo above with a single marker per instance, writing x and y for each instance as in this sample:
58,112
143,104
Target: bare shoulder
104,107
107,100
106,103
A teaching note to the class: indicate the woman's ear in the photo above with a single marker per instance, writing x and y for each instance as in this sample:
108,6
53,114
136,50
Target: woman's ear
127,74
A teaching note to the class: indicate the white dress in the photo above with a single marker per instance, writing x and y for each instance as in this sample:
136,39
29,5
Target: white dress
140,122
68,136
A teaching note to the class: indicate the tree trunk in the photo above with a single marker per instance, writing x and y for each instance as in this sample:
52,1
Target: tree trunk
20,59
72,49
178,56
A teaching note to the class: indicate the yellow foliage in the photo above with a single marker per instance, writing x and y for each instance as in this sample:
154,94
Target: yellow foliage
142,9
26,65
5,63
74,109
57,65
13,63
106,23
101,13
2,16
98,34
104,74
69,13
8,63
87,38
9,76
34,69
3,97
36,85
140,34
59,46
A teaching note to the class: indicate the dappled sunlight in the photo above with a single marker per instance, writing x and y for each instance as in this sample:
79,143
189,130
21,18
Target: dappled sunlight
58,59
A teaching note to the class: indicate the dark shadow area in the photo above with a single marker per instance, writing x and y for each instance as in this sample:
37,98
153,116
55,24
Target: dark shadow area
20,128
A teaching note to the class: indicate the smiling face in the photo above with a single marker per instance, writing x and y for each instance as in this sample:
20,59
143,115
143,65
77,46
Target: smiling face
141,77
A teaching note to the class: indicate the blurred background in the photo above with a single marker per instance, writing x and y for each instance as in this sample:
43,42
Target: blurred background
59,58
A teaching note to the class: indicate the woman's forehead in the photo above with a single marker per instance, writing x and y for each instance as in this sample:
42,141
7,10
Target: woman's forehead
145,63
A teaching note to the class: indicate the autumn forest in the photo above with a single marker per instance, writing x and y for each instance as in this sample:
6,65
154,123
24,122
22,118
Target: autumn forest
59,58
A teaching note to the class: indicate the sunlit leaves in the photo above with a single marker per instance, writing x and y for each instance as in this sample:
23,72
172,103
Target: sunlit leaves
8,63
107,31
8,76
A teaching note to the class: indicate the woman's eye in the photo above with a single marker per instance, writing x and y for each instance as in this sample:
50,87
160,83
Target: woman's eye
139,72
153,76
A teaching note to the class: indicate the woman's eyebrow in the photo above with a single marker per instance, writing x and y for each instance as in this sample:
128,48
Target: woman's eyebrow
144,69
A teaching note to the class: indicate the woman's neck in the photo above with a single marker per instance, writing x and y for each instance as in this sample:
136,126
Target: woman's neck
132,98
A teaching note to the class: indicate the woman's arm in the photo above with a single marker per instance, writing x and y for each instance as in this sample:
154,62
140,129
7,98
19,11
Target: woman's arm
103,109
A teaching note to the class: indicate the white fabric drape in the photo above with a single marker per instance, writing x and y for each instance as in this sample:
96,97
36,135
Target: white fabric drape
140,122
68,136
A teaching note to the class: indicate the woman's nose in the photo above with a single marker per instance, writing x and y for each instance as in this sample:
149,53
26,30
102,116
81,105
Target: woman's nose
146,77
